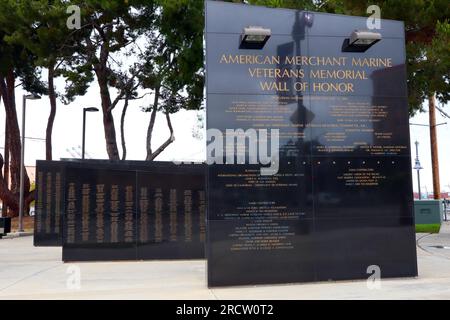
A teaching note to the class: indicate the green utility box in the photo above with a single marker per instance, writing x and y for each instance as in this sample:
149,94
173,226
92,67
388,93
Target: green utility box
428,211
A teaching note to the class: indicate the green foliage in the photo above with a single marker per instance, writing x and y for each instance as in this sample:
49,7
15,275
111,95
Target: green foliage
438,57
428,228
427,42
39,28
15,56
172,63
108,27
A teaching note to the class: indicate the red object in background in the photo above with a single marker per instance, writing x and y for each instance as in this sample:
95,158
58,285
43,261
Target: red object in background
444,195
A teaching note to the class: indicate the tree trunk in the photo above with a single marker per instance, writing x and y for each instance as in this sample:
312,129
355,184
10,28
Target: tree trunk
10,194
151,125
166,143
108,120
14,132
6,167
9,199
434,147
51,117
122,129
101,72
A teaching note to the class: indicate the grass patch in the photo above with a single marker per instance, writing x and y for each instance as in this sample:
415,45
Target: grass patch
428,228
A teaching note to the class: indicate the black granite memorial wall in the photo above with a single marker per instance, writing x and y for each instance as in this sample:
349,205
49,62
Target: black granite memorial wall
341,200
133,211
121,210
49,203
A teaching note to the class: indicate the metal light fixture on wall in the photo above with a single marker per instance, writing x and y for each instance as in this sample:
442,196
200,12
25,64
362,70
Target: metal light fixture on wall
254,37
308,18
361,41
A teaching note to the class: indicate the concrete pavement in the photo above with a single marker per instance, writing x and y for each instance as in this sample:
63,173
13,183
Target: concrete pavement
438,243
27,272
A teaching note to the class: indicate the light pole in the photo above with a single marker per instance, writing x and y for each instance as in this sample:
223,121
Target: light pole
92,109
418,167
434,151
22,159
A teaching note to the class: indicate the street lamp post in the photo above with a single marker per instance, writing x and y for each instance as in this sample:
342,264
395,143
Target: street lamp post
418,167
434,152
22,159
84,128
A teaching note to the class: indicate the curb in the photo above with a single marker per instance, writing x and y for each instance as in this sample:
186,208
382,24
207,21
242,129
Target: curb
17,235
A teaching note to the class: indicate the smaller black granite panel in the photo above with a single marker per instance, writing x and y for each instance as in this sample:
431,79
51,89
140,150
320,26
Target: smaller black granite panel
49,203
134,210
